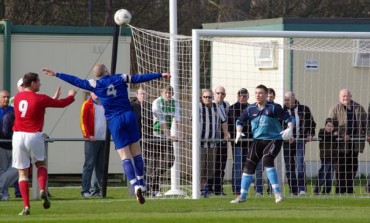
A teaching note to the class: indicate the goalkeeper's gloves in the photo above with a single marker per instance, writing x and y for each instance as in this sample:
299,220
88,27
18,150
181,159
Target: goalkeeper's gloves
287,134
239,134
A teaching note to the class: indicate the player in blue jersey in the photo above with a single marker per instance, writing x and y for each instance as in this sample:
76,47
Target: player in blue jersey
112,93
268,137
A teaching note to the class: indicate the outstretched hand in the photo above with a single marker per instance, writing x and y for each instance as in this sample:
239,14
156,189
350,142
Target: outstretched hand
239,134
287,134
48,71
57,93
72,92
166,75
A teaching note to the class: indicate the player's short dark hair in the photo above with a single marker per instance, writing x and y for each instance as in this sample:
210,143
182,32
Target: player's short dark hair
271,91
261,86
28,78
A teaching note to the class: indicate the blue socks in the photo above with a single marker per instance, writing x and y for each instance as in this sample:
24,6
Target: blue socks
273,178
139,167
246,182
132,171
129,170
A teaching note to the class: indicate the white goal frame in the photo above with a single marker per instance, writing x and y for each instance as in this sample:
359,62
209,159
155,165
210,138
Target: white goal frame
197,35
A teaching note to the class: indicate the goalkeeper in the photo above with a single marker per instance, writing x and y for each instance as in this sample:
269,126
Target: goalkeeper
268,137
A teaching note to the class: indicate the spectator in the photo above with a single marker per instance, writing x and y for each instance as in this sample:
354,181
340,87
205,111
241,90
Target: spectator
351,118
240,149
271,95
211,118
328,146
268,137
93,127
294,150
140,110
367,187
165,109
8,174
28,143
144,116
216,184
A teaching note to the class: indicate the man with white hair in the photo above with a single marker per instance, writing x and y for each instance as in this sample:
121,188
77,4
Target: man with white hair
216,184
352,124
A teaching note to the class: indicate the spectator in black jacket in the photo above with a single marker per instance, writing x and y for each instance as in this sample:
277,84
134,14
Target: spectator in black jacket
240,149
328,146
144,116
294,150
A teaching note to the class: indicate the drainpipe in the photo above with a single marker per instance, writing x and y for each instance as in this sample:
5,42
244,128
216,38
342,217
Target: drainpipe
291,66
7,28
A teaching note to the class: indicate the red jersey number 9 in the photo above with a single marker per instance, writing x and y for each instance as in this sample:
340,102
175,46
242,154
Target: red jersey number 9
23,105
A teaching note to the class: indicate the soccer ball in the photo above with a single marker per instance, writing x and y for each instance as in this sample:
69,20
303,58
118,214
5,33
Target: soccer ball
122,17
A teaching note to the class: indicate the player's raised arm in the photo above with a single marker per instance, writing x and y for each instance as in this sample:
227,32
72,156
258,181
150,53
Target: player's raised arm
140,78
71,79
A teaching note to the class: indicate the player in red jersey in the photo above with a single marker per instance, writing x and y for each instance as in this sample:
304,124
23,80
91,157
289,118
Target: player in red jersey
28,142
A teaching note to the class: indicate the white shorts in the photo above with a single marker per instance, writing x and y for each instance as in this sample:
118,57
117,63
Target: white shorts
27,147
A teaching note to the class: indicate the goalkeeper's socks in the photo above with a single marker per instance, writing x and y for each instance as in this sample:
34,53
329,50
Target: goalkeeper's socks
139,167
246,183
129,170
273,178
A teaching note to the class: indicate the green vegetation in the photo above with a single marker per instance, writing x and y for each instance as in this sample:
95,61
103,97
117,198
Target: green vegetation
68,206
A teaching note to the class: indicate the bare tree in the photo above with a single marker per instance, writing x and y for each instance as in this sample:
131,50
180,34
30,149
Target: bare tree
108,13
90,10
154,14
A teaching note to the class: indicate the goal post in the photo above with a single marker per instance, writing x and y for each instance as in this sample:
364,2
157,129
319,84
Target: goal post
168,172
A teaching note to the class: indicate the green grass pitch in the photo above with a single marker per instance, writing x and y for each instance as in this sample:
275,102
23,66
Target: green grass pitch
68,206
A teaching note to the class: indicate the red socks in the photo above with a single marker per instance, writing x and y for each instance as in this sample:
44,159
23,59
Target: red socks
42,177
25,191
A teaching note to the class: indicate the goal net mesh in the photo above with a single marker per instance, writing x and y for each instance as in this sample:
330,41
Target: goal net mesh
315,69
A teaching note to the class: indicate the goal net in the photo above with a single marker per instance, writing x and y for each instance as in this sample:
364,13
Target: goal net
167,113
315,67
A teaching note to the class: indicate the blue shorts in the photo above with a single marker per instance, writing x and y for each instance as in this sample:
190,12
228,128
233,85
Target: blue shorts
124,129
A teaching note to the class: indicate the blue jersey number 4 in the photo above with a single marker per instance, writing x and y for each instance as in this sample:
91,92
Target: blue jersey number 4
111,91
